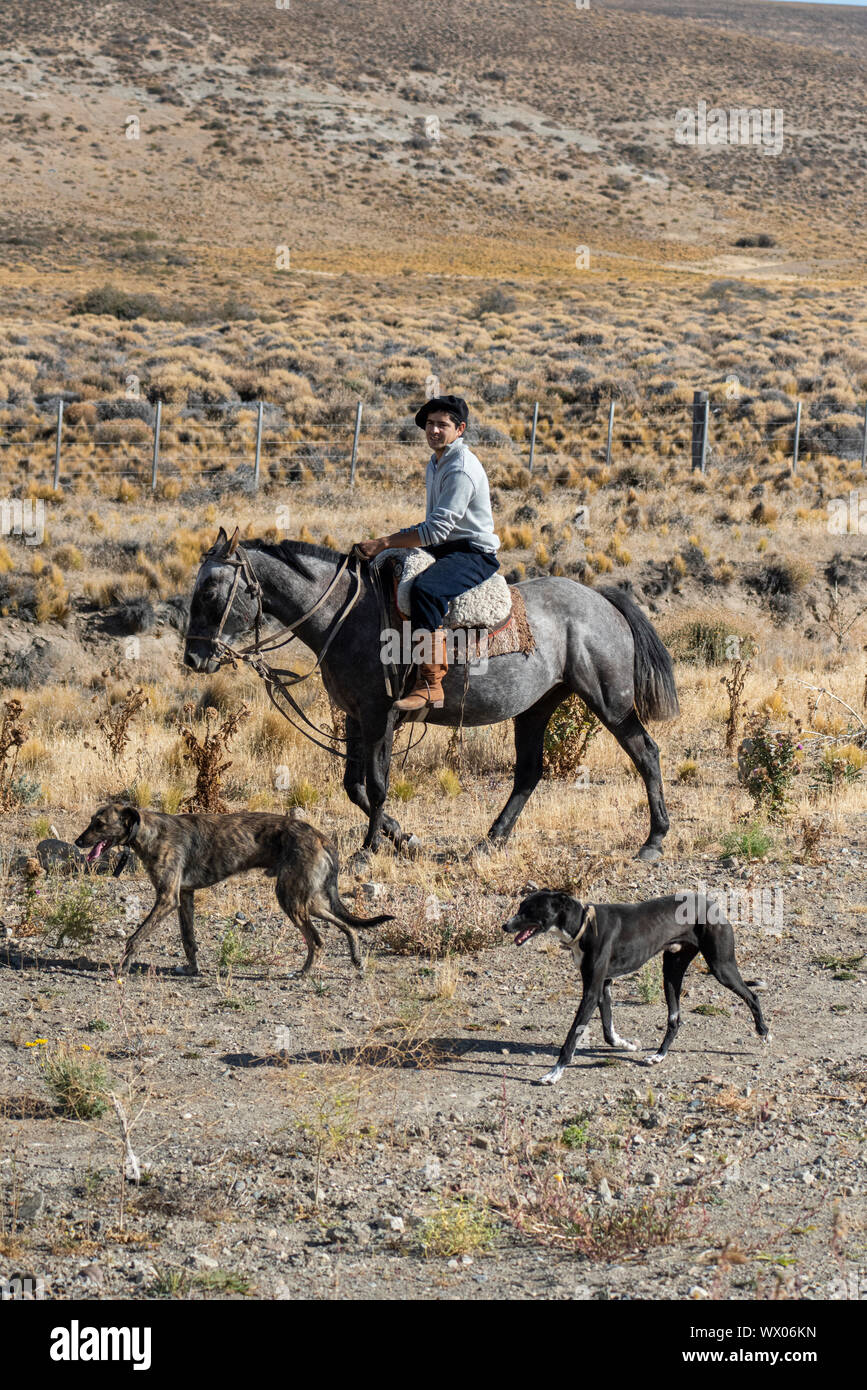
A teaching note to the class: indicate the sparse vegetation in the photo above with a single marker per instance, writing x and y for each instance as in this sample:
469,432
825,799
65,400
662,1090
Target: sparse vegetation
571,729
461,1225
77,1080
768,762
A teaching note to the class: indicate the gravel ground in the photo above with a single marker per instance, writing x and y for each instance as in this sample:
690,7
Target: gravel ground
385,1136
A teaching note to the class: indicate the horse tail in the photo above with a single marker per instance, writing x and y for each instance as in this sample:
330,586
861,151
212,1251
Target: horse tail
653,673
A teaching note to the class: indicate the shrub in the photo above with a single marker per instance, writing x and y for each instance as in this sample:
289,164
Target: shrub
576,1132
839,767
571,729
494,301
119,304
75,915
302,793
449,781
207,756
767,764
402,789
78,1083
460,1226
708,641
752,843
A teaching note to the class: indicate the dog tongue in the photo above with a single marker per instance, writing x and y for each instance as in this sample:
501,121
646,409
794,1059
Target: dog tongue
524,936
96,851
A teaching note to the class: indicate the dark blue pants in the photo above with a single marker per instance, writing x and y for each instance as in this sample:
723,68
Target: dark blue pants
458,568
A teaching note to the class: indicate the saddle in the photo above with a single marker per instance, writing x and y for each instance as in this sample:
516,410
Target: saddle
494,610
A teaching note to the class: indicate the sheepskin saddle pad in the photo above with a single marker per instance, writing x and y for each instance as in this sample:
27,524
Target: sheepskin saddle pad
491,607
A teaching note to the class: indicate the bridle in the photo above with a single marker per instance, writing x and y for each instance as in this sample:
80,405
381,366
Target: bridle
254,655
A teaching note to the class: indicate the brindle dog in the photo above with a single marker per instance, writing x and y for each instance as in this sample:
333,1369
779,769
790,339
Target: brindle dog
183,853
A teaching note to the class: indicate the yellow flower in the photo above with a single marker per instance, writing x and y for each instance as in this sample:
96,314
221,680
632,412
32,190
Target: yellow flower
86,1047
38,1042
558,1177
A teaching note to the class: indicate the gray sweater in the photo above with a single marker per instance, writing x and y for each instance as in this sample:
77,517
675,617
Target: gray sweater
458,500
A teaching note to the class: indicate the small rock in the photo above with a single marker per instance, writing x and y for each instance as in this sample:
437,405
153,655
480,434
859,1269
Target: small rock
603,1192
698,1292
373,890
651,1180
92,1273
199,1261
31,1206
482,1141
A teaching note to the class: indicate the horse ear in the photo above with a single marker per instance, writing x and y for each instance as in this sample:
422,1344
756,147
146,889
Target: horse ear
233,543
220,543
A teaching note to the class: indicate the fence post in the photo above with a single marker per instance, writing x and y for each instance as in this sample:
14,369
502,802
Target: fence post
258,446
706,432
699,430
797,438
355,444
156,446
864,442
533,435
57,444
610,432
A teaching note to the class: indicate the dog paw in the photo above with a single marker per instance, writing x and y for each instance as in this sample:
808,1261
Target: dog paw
654,1059
768,1038
551,1077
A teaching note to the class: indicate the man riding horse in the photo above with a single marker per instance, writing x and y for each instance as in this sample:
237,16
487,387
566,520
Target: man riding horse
458,531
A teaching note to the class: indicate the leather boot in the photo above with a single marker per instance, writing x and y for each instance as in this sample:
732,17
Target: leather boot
428,692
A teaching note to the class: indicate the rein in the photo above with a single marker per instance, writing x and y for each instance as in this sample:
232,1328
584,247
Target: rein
253,655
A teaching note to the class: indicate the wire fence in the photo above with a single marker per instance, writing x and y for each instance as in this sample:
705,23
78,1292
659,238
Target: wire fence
240,445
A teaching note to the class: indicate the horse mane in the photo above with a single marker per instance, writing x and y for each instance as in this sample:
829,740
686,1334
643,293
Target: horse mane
288,550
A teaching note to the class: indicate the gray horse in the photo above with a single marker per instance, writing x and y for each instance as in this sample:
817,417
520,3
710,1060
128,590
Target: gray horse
595,643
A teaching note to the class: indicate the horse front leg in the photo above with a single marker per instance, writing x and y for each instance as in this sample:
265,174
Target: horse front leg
354,786
377,765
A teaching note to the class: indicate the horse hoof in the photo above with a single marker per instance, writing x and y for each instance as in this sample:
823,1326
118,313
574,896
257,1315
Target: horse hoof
649,854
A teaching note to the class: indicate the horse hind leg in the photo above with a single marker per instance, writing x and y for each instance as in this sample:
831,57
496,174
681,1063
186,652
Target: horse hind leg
529,750
644,753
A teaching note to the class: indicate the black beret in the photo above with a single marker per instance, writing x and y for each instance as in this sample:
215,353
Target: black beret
454,405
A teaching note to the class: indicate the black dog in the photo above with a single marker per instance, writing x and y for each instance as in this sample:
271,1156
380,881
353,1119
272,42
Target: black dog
610,939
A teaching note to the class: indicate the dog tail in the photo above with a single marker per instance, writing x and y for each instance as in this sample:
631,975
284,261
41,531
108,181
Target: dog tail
653,673
349,919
